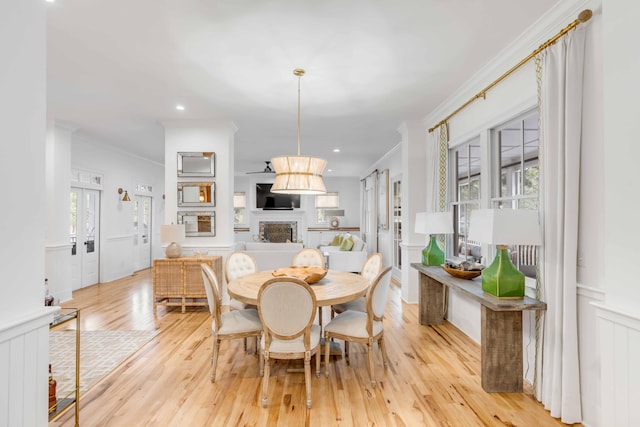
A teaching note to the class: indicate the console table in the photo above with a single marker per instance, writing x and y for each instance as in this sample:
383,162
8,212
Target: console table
178,281
501,325
65,315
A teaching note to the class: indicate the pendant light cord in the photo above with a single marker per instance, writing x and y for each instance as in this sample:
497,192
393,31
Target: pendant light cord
299,116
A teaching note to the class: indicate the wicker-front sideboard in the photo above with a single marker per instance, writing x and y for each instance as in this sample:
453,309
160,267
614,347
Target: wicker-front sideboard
178,281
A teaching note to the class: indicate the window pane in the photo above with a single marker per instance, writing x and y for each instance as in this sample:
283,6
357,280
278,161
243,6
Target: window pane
239,200
238,215
466,161
328,200
518,145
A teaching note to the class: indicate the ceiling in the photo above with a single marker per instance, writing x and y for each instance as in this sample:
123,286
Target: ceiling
116,72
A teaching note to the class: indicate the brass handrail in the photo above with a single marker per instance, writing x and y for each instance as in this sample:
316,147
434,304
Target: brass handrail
584,16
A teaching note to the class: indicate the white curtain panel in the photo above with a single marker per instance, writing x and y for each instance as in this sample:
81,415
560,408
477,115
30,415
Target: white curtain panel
558,385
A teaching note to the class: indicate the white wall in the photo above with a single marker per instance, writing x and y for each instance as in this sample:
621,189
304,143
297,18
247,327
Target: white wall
120,170
199,136
24,320
621,71
619,314
58,260
22,123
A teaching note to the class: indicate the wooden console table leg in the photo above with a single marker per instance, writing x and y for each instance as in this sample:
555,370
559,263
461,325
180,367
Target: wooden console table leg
501,351
431,301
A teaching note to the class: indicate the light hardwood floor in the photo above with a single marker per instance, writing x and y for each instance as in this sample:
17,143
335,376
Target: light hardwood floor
433,377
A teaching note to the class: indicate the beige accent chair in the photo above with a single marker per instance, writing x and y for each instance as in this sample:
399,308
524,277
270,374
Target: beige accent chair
287,306
356,326
309,257
228,325
239,264
370,270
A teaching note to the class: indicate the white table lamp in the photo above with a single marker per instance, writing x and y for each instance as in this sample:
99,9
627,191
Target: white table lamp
433,223
172,234
503,227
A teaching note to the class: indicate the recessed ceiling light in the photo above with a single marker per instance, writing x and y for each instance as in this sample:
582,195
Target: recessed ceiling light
329,170
50,1
336,150
180,107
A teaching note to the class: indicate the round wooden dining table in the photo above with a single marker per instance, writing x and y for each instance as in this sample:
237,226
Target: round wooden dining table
334,288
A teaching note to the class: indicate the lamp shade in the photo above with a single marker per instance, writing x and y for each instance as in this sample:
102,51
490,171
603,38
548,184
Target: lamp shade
298,175
505,227
170,233
434,223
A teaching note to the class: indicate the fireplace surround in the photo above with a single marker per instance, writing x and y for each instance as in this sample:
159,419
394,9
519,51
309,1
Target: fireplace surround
278,231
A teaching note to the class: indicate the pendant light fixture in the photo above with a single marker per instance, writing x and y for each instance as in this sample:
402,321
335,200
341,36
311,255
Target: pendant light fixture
298,174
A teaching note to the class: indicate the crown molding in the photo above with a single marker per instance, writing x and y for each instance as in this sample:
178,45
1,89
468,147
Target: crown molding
555,19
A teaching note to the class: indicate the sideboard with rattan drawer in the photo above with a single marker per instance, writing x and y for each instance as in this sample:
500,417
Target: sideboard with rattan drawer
178,281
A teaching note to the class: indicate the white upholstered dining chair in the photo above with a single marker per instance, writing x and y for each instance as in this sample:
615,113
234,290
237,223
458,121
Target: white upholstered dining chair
310,257
356,326
286,306
229,325
239,264
370,270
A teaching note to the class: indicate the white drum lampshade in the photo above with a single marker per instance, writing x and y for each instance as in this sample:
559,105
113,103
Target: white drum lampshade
172,234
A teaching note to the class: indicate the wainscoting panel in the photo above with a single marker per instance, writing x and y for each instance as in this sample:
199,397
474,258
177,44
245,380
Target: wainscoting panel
24,355
619,334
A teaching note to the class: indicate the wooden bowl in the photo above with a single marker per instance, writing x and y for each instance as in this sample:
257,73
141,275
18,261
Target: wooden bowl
308,274
461,274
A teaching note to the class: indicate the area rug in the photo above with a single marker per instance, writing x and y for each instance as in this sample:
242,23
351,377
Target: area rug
100,353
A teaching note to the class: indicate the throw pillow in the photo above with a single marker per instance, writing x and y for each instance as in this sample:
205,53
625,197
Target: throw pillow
358,244
347,244
337,240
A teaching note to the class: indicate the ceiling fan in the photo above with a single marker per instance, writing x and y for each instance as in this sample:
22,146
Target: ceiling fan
267,168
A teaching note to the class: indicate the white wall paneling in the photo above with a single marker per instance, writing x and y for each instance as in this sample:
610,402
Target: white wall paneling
619,335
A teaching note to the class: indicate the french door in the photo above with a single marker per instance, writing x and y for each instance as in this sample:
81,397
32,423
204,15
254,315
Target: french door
84,235
141,232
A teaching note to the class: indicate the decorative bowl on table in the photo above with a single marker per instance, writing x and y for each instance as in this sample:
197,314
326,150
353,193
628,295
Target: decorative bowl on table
308,274
459,273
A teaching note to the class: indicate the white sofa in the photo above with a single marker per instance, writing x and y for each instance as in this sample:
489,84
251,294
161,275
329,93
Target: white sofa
351,260
270,256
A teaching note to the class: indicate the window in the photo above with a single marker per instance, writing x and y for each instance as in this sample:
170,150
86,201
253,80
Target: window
327,201
516,147
512,172
239,206
466,172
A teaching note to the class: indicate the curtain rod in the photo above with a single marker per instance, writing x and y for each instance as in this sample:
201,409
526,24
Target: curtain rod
584,16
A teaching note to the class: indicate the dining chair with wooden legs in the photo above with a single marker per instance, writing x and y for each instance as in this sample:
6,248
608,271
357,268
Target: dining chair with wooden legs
286,306
244,323
370,270
238,264
356,326
310,257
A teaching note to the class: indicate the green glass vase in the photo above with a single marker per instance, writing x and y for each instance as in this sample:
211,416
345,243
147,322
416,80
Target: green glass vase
432,254
502,278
